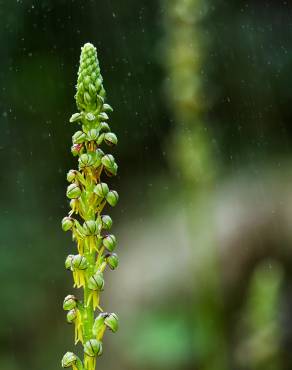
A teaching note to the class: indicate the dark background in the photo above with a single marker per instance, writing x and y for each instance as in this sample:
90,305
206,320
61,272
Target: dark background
204,281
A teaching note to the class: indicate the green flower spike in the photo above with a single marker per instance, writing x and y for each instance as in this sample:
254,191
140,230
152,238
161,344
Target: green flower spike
89,195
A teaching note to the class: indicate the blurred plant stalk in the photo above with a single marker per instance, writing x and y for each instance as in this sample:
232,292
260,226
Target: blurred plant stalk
184,56
88,196
192,158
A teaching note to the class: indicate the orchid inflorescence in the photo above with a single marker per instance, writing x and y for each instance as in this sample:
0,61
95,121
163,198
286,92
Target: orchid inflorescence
88,196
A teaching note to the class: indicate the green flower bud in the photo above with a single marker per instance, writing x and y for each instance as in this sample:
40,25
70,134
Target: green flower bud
90,227
96,282
71,315
73,191
112,322
108,161
85,160
76,149
69,302
106,222
110,242
86,81
104,127
67,223
92,135
100,139
71,175
68,262
87,98
97,159
112,260
112,198
103,116
98,84
93,347
92,89
79,137
110,138
100,153
102,92
79,262
75,117
107,108
101,190
69,359
98,323
90,117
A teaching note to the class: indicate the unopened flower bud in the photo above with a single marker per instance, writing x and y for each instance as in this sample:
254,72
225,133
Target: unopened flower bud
112,261
112,198
71,175
92,89
71,315
107,108
93,347
79,262
85,160
69,302
108,161
106,222
87,98
90,117
104,127
68,262
98,84
92,134
69,359
101,189
103,116
112,322
96,281
90,227
100,139
110,242
73,191
67,223
110,138
99,152
79,137
75,117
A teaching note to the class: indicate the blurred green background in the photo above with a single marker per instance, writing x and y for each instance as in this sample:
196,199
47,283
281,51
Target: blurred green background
202,102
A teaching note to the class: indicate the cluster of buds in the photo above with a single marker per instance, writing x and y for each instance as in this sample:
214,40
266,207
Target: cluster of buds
90,228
